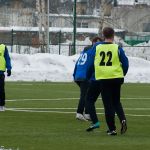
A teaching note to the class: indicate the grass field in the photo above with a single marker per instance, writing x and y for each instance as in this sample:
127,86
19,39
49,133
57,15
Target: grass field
41,116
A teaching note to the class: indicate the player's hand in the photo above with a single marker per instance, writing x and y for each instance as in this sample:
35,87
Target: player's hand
8,73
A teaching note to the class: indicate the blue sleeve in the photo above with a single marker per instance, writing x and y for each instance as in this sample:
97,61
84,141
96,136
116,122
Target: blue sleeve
91,63
7,59
124,60
75,68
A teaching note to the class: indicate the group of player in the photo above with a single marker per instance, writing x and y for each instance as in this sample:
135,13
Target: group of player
100,69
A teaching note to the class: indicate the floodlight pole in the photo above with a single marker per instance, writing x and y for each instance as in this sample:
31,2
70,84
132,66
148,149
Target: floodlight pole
74,27
48,50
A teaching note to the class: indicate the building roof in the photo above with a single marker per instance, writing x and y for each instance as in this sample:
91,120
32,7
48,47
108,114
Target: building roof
55,29
81,1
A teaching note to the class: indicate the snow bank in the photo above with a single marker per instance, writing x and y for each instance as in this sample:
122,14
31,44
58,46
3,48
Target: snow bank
41,67
139,71
58,68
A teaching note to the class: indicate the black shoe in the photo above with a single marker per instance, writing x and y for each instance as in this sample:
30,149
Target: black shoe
123,126
92,127
113,132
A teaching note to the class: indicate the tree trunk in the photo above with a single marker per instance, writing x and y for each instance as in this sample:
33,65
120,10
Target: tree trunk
41,9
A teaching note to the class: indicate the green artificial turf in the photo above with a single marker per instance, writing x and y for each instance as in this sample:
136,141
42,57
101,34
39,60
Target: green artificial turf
41,116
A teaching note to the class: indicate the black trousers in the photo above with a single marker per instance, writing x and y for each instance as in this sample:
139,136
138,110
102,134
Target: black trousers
2,90
83,85
92,95
111,99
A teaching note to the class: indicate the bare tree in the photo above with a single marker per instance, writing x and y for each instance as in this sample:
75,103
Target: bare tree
42,23
101,20
105,10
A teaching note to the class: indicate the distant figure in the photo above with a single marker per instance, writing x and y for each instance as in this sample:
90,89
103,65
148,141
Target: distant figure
110,66
81,78
5,63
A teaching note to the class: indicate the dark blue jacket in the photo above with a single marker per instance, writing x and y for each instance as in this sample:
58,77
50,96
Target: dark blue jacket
82,71
123,59
7,59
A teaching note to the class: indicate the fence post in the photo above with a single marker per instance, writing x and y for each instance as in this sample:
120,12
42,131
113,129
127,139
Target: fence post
70,49
12,40
59,41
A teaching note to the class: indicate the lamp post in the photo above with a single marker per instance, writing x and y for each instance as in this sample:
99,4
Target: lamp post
74,27
48,26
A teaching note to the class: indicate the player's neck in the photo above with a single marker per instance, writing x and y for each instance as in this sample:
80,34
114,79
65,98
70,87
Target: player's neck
109,40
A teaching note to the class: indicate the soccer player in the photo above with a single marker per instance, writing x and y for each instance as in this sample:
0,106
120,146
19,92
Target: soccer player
4,63
81,77
110,66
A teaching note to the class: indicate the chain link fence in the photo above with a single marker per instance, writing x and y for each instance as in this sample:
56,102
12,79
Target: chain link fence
27,42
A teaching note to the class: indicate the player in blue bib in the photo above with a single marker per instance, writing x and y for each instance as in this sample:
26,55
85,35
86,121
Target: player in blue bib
82,77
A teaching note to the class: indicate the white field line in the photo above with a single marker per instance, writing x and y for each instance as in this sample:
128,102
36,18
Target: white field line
52,99
25,84
60,108
61,112
59,99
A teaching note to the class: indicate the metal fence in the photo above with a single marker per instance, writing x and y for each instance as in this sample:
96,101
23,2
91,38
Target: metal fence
60,49
28,43
67,49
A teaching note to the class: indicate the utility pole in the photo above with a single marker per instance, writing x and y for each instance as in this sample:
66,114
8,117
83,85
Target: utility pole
74,26
48,26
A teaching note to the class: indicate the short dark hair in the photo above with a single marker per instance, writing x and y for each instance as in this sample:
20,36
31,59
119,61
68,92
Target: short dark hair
96,39
108,32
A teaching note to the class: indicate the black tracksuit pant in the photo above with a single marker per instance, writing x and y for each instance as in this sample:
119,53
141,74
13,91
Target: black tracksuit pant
92,95
2,89
111,100
83,85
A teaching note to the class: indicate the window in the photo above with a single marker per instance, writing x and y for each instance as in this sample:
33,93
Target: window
146,27
82,25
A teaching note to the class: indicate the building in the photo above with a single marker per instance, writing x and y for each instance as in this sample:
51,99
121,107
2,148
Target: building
66,20
133,18
81,7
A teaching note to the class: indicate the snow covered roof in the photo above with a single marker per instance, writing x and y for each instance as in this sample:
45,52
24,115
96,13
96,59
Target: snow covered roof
132,2
55,29
81,0
71,16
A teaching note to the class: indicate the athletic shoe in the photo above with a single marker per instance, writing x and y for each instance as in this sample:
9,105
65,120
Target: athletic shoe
2,108
123,126
113,132
80,117
94,126
87,117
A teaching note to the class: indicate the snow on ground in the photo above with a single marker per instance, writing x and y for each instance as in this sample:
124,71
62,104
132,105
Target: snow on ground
41,67
52,67
139,71
132,2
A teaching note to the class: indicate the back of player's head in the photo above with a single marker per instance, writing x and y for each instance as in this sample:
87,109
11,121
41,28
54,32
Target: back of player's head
96,39
108,33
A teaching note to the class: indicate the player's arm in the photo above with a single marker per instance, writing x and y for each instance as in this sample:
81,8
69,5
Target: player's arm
8,61
91,70
124,61
74,70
